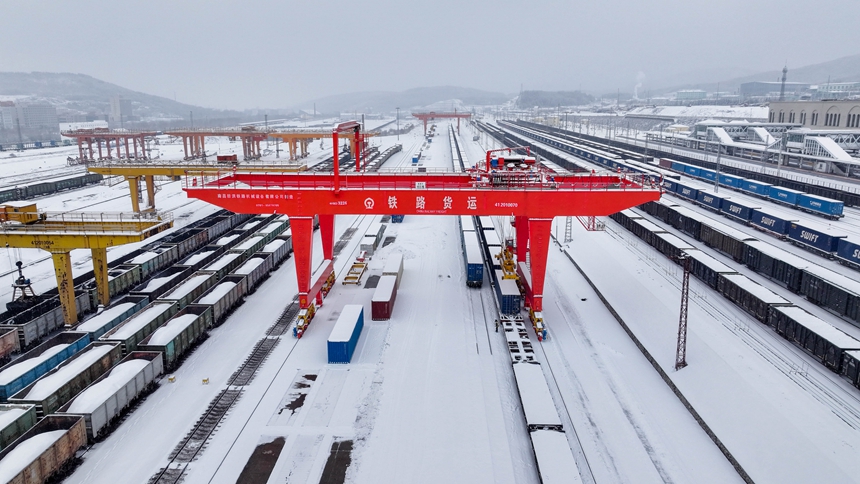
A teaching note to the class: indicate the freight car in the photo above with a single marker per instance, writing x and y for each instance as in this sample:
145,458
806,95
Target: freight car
111,394
138,327
38,361
16,419
47,450
224,297
178,335
45,188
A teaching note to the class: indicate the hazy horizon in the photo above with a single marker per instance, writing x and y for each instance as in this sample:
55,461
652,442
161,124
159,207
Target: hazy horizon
274,54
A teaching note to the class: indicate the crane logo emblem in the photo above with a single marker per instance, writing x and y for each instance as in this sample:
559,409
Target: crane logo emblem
368,203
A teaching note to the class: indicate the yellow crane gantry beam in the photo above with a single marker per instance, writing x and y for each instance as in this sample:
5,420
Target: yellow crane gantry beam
60,233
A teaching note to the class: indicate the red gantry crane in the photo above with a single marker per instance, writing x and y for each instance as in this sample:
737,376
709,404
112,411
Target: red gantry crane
532,195
432,115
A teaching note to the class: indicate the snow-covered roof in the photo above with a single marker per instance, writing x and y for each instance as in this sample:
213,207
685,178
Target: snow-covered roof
247,244
249,266
345,324
98,321
186,287
217,293
273,245
95,395
534,393
762,293
194,259
52,382
221,262
554,459
826,330
171,329
135,323
384,289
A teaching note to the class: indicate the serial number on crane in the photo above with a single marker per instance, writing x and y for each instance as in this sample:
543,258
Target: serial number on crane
507,204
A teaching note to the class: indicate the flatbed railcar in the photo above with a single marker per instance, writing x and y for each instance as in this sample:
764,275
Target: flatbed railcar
44,188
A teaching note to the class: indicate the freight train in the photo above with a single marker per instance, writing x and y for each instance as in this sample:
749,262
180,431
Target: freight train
832,347
101,367
814,204
41,189
825,240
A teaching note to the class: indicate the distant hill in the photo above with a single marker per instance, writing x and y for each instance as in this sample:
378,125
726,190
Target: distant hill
86,94
418,98
838,70
551,99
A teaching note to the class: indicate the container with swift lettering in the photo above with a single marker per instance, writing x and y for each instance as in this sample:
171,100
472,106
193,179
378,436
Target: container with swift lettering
818,239
848,252
344,337
769,222
688,192
711,200
756,187
820,205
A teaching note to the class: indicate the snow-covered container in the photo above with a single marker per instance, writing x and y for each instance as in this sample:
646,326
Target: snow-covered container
273,229
508,293
706,268
187,241
250,245
467,223
280,248
40,360
14,421
344,336
216,226
122,278
254,270
749,295
820,338
109,395
110,317
136,328
555,461
40,321
394,267
538,406
43,451
190,289
225,264
179,334
202,257
155,259
230,239
61,384
223,297
382,302
162,282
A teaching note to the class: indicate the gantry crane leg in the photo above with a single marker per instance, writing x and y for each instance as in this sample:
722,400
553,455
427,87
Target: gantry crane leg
135,193
539,234
522,237
150,190
327,235
65,285
100,270
302,231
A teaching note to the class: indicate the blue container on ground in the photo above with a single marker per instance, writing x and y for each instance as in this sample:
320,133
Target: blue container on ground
344,336
687,192
849,251
784,195
75,341
756,187
814,238
821,205
397,219
710,200
730,180
736,210
769,222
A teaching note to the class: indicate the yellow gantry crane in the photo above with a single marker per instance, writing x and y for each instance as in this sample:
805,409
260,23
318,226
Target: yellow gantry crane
23,226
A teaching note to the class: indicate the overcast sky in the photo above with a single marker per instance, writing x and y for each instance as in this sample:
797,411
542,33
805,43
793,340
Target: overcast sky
247,54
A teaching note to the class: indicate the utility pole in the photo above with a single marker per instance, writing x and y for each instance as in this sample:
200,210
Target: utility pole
681,351
192,119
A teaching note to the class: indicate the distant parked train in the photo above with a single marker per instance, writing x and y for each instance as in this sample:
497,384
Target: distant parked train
822,206
40,189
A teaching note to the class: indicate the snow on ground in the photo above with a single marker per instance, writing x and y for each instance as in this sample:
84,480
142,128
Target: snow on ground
430,396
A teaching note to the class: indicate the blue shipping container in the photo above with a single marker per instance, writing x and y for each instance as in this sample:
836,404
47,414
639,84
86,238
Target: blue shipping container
473,259
737,210
670,185
759,188
692,170
849,251
769,222
814,238
823,205
344,336
397,219
707,174
678,166
731,180
784,195
75,341
711,200
508,293
688,192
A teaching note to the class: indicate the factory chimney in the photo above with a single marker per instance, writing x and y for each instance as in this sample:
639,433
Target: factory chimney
782,88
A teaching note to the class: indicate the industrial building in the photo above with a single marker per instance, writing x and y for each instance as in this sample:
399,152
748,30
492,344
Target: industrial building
817,114
120,110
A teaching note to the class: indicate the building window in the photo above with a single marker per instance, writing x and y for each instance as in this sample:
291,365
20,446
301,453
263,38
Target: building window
771,116
814,121
781,117
803,118
791,117
838,120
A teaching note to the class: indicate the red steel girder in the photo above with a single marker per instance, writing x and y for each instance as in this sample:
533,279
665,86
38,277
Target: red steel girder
438,194
433,115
